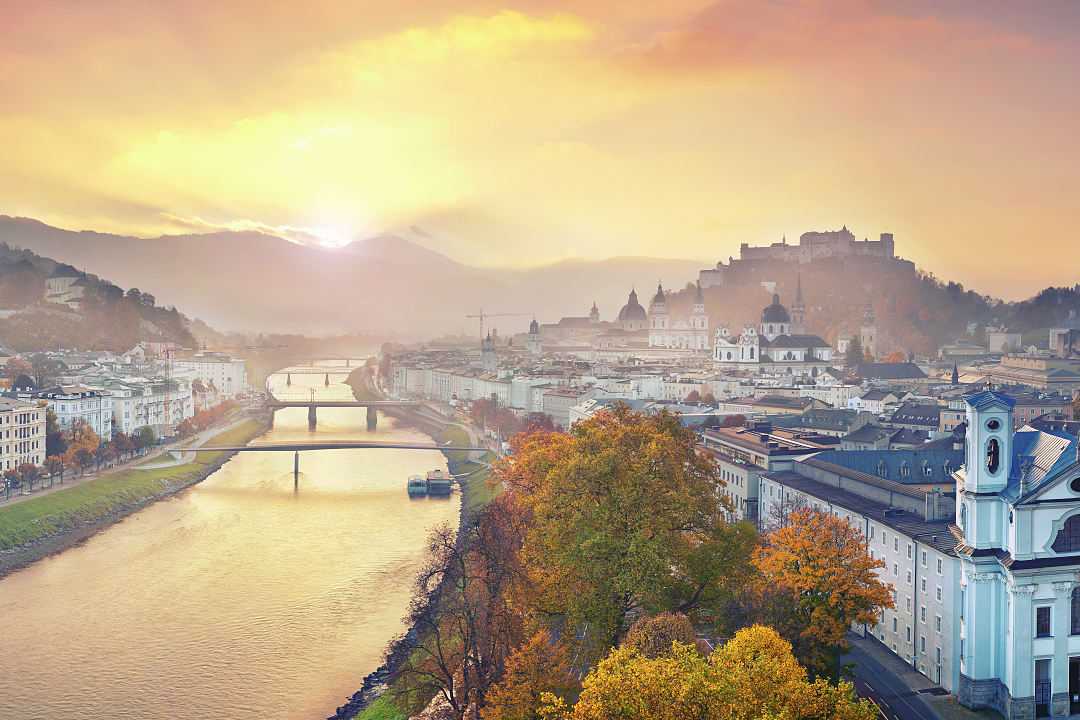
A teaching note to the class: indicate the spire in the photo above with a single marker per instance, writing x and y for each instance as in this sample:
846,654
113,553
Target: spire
955,375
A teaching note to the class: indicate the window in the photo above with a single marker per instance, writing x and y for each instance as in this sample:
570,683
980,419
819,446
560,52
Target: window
924,585
937,623
894,624
1042,688
1075,624
922,613
924,558
922,643
1068,537
937,655
909,633
871,532
896,544
908,577
909,551
1042,621
939,593
896,570
939,566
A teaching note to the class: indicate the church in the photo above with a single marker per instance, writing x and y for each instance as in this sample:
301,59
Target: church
678,333
1018,533
776,346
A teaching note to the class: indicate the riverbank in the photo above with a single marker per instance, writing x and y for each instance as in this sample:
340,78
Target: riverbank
45,525
373,701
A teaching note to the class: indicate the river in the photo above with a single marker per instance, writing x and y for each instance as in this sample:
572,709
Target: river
236,598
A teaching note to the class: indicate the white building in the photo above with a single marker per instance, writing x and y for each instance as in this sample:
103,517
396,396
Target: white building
684,333
772,347
159,404
74,403
65,286
228,374
1018,525
22,434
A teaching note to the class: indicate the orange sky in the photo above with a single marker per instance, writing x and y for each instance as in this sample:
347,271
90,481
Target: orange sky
525,132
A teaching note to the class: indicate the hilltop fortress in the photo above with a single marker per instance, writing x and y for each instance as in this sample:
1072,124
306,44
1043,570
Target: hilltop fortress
812,246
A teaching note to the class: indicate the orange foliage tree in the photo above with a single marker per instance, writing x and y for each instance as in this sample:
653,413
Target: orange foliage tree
537,667
818,579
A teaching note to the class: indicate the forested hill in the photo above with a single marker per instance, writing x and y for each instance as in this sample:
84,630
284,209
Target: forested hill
914,311
109,318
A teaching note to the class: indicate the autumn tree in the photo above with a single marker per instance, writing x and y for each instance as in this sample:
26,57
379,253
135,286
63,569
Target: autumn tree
465,623
653,636
28,474
693,396
15,367
55,465
537,667
622,508
55,441
819,579
755,676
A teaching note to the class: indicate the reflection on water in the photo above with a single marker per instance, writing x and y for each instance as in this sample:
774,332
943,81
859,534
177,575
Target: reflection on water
235,599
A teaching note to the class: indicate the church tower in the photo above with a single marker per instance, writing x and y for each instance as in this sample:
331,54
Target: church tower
986,469
699,321
798,310
488,360
594,314
868,334
658,315
532,342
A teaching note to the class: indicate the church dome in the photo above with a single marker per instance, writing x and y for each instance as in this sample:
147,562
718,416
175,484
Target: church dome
632,310
775,313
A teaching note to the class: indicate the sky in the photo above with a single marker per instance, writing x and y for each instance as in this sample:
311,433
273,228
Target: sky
520,133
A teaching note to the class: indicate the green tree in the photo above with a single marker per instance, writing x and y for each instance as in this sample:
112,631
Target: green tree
623,509
55,442
653,636
55,465
144,438
854,356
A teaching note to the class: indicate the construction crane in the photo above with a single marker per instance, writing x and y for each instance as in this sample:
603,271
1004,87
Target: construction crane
482,315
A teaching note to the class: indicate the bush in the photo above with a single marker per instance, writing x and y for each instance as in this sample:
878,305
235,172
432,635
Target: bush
652,636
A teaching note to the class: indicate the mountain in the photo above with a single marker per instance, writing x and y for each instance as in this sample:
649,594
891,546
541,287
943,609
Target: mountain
387,284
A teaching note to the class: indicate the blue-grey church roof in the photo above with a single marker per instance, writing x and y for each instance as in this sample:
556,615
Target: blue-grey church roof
923,466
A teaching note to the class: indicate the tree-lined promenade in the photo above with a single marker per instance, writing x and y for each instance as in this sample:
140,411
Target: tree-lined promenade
596,584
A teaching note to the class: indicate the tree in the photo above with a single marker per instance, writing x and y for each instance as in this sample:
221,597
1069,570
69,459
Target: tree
895,357
854,356
819,579
55,441
55,465
84,457
752,677
144,438
537,667
693,396
29,473
709,399
653,636
124,444
464,634
45,369
11,481
620,507
186,428
15,367
734,421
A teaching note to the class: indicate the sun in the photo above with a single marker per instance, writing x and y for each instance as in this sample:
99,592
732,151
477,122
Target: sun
333,236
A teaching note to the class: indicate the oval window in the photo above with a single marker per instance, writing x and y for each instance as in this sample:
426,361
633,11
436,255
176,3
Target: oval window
993,424
1075,485
993,456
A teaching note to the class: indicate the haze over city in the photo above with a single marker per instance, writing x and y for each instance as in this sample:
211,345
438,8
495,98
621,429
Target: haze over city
522,133
540,360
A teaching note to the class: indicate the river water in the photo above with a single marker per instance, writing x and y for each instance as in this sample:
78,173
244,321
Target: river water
236,598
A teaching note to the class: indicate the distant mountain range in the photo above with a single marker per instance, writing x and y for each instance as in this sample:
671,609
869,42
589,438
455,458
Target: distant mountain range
388,284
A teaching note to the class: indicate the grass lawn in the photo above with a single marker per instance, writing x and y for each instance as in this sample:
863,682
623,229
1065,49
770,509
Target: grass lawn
382,709
95,499
476,492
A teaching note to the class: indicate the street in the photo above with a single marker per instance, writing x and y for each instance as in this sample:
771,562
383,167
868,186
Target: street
894,699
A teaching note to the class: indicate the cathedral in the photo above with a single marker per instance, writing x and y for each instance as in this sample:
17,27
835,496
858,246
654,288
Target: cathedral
777,345
678,333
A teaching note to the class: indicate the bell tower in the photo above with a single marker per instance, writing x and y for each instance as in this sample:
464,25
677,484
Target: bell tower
988,456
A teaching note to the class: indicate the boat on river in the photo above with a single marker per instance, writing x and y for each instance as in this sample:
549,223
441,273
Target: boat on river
439,482
417,485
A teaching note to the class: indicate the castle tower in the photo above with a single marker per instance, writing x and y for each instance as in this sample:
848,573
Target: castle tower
532,342
798,310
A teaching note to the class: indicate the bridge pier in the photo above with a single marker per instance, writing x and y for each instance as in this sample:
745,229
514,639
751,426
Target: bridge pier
311,417
372,419
347,362
288,380
326,380
296,471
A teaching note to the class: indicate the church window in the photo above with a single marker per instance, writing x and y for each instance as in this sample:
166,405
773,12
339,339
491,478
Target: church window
751,353
963,520
1075,485
882,469
905,470
1075,624
1068,537
1042,621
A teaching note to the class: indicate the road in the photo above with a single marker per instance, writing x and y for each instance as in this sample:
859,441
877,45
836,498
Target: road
894,699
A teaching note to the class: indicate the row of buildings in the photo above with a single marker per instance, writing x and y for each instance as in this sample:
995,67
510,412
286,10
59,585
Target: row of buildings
146,387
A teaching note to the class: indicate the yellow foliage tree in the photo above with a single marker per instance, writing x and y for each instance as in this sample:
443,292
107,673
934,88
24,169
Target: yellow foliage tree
535,668
753,677
818,579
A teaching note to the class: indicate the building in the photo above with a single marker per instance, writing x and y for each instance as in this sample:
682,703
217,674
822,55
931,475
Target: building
74,403
772,347
65,286
678,333
558,401
533,344
22,433
1000,340
1041,372
868,333
744,453
156,403
878,400
632,317
228,374
1018,542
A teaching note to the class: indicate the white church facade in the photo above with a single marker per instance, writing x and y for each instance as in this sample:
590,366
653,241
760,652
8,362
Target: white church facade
678,333
776,346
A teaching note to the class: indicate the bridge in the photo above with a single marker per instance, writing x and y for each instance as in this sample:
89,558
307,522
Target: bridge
296,447
326,372
312,405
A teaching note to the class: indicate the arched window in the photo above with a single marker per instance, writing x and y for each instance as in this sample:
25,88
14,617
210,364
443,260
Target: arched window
1075,624
882,469
751,353
1068,537
905,470
963,518
927,470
